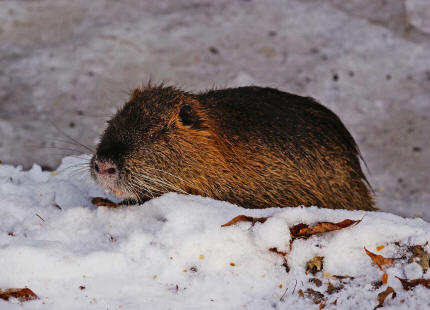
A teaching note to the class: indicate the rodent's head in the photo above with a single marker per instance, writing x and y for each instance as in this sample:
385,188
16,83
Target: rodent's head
148,143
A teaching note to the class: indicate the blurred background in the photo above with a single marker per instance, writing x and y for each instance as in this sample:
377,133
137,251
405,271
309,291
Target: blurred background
71,63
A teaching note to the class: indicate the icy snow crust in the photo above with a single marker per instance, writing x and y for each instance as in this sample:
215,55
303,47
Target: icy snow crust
172,253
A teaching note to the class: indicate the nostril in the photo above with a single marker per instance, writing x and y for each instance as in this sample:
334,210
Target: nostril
111,170
106,168
96,167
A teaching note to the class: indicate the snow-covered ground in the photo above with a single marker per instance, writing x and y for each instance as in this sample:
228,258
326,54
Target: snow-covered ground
172,253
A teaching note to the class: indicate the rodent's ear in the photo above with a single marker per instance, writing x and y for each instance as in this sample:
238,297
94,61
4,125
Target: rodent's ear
191,116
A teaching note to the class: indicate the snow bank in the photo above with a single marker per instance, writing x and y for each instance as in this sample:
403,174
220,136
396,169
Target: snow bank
172,253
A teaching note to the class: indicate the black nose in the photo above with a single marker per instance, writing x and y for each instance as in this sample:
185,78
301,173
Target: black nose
104,167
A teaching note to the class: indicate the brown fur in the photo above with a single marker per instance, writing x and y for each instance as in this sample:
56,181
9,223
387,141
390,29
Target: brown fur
255,147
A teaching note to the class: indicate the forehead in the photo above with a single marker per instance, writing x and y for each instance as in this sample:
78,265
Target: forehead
146,112
129,128
146,108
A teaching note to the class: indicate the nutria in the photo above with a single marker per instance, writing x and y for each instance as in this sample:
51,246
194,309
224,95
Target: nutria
254,147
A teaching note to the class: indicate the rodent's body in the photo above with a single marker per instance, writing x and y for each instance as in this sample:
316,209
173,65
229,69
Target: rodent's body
255,147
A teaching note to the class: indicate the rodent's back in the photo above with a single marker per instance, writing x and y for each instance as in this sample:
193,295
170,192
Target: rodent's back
297,150
272,115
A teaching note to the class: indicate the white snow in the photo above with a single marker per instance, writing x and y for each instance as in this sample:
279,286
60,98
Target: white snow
172,253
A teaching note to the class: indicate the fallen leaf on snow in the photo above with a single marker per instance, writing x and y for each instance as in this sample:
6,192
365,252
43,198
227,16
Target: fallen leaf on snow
342,277
315,296
275,250
316,281
384,279
304,231
422,257
380,247
377,284
408,284
334,289
104,202
383,295
379,259
314,265
22,294
244,218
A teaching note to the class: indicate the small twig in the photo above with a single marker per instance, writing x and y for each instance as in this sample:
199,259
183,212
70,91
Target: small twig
40,217
294,288
57,206
283,295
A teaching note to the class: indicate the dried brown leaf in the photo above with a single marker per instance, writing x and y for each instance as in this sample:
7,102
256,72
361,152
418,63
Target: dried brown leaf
275,250
316,281
296,229
377,284
315,296
304,231
384,279
409,284
422,257
22,294
379,259
104,202
314,265
244,218
342,277
383,295
334,289
380,247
